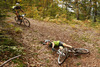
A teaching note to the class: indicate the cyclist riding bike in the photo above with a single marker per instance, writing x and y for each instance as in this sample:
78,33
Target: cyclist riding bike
17,9
59,44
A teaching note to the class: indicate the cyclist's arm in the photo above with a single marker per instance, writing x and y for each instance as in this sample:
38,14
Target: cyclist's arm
21,10
53,45
13,9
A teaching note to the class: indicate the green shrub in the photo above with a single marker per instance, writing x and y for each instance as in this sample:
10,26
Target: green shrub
9,47
47,61
20,63
78,63
98,49
18,30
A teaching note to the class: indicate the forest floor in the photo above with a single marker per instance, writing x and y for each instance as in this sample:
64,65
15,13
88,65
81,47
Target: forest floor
38,55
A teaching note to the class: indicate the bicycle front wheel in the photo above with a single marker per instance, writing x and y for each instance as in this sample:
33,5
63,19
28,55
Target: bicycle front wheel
26,22
62,57
81,50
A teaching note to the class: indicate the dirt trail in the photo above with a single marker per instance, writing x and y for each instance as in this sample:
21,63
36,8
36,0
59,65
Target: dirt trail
38,55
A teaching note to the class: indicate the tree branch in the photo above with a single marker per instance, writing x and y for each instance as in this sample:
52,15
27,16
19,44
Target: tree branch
9,60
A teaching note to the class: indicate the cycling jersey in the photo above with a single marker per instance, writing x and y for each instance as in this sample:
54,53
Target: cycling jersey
57,43
17,7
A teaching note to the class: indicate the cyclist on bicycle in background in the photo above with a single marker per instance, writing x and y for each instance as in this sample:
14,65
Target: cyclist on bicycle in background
56,44
17,9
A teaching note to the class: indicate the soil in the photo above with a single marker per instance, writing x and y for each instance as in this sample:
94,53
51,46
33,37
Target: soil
38,55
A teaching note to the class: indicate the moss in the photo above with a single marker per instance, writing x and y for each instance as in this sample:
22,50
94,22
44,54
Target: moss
48,52
78,63
18,30
8,46
35,54
19,62
38,47
98,49
47,61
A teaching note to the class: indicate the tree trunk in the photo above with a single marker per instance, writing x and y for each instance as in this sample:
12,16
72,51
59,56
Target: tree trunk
66,11
95,11
77,9
89,12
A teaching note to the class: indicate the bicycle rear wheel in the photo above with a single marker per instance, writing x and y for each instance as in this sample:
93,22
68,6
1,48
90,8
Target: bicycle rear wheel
26,22
81,50
62,57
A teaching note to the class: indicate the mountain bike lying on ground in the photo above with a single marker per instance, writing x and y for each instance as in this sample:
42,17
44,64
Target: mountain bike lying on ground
21,19
65,52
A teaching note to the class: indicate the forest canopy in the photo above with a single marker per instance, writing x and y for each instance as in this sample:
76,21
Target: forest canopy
79,9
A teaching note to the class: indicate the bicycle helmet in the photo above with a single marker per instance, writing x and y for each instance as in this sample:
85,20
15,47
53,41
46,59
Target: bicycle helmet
17,4
45,41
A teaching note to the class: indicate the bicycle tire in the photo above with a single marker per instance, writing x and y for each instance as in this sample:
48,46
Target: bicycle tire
81,51
62,58
26,22
17,21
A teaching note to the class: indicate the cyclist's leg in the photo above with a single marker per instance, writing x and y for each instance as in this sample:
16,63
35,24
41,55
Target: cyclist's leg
61,45
17,14
66,45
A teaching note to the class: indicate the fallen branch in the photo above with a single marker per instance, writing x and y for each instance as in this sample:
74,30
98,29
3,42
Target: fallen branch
9,60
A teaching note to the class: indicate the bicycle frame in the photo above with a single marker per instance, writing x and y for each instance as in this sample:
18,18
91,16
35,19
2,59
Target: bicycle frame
59,52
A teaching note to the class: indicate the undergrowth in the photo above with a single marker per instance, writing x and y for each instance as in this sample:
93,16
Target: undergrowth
9,47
